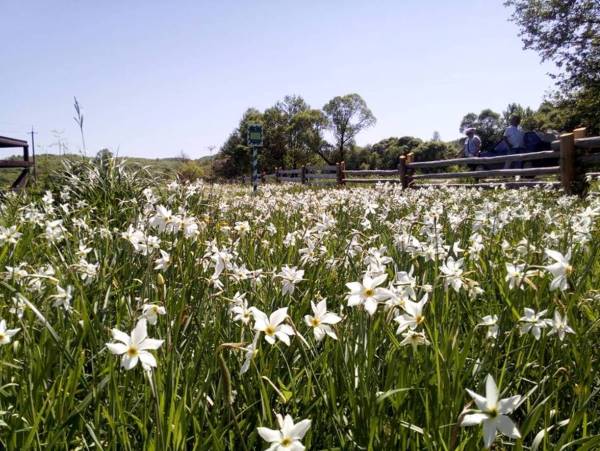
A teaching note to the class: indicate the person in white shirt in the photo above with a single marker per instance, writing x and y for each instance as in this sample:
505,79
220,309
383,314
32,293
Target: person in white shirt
513,135
472,143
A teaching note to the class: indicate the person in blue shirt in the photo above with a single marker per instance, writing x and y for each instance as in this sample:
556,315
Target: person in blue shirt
514,135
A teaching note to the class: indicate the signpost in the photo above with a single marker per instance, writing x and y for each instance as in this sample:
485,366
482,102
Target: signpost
255,139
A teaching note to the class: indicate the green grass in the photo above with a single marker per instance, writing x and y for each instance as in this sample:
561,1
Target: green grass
60,388
47,165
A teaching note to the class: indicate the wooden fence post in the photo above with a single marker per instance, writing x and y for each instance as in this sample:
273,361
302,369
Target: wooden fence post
579,133
581,182
303,174
340,170
409,172
277,175
567,162
402,171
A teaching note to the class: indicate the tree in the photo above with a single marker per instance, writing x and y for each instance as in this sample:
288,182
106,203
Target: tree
526,115
436,136
347,115
234,157
433,150
307,128
566,32
488,126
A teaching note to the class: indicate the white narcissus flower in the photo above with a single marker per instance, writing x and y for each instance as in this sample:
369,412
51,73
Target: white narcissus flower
135,348
290,276
289,435
560,326
414,339
63,297
514,275
242,227
367,293
413,316
163,261
240,310
322,320
251,351
6,334
493,413
453,270
151,312
491,322
533,322
560,269
272,326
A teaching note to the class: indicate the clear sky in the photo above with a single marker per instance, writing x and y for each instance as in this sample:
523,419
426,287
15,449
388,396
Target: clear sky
157,77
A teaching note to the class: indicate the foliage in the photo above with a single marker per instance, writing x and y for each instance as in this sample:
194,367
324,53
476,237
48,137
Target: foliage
566,32
190,171
348,115
105,232
293,135
488,125
435,150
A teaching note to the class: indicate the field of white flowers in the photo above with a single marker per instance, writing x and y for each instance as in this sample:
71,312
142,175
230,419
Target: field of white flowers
143,315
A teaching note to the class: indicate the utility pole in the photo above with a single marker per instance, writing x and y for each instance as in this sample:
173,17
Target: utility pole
33,152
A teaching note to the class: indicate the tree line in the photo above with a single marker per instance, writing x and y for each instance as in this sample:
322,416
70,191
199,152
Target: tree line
566,32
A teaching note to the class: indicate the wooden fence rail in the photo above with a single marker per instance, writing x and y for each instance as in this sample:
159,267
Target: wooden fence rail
568,160
25,163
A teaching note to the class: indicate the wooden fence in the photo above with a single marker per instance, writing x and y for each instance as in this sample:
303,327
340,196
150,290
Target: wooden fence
309,174
24,164
565,165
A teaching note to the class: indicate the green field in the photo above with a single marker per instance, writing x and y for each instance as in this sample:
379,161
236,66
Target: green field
365,314
48,165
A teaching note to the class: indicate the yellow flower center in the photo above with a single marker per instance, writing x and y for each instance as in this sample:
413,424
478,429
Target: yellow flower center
369,292
568,269
2,336
419,319
493,412
315,322
270,330
133,351
286,441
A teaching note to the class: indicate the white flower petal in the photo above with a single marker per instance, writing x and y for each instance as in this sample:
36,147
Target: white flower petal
473,419
507,427
269,435
117,348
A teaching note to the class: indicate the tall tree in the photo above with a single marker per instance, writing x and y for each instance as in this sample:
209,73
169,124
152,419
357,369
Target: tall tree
488,125
307,128
566,32
234,156
347,115
526,114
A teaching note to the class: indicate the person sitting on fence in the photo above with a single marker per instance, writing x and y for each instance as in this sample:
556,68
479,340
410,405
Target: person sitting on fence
472,146
514,135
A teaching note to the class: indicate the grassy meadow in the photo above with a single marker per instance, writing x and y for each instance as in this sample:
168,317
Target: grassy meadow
143,314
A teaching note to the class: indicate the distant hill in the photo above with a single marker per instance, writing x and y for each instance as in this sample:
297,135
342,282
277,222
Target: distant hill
47,164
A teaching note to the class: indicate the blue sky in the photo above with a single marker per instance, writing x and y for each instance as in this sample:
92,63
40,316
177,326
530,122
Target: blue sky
157,77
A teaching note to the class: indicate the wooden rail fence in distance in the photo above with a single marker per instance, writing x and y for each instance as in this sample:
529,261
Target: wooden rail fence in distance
573,155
